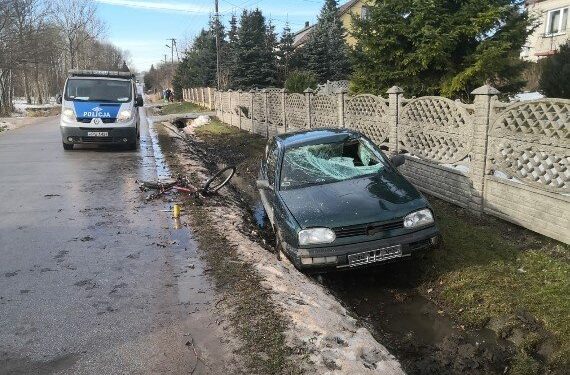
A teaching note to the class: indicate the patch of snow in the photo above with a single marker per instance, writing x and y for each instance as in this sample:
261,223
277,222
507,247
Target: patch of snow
524,96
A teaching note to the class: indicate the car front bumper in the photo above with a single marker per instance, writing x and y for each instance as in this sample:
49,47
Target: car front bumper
116,135
373,252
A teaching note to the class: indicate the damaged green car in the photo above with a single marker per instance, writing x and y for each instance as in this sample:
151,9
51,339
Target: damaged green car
336,201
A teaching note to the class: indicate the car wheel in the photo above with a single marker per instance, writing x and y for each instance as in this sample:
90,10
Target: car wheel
68,146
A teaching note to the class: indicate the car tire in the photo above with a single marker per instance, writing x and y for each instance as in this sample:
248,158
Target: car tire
68,146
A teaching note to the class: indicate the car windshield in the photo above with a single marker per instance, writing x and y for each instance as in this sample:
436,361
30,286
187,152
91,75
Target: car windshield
103,90
329,162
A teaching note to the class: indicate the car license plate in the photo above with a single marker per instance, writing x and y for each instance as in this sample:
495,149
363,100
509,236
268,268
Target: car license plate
374,256
97,134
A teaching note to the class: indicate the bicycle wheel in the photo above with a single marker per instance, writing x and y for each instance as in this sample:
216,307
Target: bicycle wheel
219,180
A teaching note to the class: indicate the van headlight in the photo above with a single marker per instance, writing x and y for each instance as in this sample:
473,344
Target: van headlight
68,114
418,218
315,236
125,115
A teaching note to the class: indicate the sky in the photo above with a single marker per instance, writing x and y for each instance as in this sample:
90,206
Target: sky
143,26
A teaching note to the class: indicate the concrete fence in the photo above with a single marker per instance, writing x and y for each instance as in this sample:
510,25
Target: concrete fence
510,160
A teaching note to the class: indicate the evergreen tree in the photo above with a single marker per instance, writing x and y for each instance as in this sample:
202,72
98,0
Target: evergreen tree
440,47
149,78
326,51
199,65
285,53
555,77
230,53
255,64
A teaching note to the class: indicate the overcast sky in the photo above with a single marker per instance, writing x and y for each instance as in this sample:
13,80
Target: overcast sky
143,26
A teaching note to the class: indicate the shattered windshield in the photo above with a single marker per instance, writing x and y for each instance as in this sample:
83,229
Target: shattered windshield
329,162
102,90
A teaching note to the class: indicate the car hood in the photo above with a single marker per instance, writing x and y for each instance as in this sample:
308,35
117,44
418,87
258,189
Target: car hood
382,197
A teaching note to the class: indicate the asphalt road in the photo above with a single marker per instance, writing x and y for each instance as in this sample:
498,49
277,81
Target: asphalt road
92,278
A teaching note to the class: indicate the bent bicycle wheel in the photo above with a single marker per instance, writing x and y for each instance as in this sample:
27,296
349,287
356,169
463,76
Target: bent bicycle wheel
219,180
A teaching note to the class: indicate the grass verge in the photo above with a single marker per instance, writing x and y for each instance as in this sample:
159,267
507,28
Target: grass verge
490,273
182,107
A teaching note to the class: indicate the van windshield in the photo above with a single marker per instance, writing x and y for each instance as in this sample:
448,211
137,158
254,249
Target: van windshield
101,90
329,162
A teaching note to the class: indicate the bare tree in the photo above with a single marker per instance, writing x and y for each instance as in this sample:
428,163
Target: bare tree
78,22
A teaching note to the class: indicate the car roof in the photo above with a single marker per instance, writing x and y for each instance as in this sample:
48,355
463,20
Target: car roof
310,137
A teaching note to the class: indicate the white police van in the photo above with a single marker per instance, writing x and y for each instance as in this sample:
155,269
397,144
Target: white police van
100,107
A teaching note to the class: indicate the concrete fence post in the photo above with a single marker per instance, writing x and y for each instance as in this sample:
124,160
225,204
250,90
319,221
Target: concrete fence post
341,95
251,109
239,108
266,110
481,122
230,106
283,115
394,110
211,99
308,92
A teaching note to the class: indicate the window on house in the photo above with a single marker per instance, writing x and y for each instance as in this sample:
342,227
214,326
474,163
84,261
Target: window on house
557,21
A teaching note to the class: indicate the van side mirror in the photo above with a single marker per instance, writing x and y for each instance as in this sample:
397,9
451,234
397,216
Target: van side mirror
139,101
398,160
58,99
263,184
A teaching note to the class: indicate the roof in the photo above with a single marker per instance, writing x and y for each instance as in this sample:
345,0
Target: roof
310,137
302,36
100,73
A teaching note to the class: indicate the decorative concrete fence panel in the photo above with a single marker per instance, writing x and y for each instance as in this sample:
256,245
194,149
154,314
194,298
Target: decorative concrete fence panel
324,111
296,112
436,129
510,160
528,166
368,114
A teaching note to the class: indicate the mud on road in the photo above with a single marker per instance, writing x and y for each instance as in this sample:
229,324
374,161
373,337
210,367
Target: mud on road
385,299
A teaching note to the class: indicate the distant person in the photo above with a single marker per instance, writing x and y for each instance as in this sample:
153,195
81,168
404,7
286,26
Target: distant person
167,95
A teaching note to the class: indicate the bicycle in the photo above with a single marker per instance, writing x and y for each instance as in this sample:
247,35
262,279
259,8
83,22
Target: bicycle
183,184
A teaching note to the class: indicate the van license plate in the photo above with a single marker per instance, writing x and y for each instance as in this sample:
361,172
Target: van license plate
97,134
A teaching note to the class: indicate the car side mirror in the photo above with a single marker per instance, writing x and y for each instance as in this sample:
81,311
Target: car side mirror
139,101
398,160
58,99
263,184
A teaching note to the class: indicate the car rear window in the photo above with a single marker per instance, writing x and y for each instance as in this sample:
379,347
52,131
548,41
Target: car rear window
329,162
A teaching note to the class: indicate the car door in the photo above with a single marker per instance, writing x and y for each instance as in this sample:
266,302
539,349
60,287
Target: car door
269,172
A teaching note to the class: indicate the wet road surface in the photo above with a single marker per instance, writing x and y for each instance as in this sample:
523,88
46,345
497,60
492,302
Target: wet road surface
92,278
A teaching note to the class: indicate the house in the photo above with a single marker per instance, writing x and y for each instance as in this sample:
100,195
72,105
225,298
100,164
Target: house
346,10
553,31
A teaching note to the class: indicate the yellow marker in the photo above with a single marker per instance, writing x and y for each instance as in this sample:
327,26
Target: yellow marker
176,211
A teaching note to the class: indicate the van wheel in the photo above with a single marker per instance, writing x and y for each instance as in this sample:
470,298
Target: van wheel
68,146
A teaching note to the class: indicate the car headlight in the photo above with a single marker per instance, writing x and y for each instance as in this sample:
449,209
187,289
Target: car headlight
418,218
68,114
315,236
125,115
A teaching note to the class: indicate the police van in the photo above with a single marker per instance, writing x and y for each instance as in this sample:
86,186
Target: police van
100,107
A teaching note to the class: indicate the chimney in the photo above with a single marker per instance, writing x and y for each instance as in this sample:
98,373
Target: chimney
306,23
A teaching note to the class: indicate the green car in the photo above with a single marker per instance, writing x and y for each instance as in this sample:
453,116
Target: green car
336,201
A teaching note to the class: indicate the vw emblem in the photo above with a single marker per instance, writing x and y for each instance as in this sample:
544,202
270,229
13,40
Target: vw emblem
96,121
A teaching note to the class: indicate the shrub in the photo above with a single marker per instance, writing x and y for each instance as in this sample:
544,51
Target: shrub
299,81
555,78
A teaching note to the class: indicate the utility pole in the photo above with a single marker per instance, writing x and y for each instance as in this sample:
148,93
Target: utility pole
165,59
172,46
217,43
